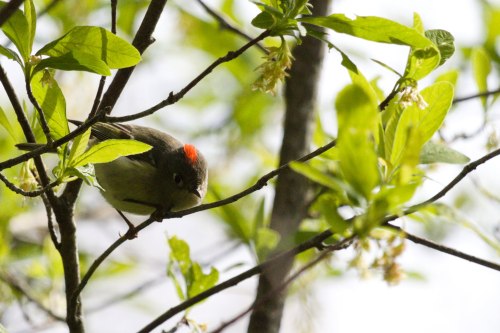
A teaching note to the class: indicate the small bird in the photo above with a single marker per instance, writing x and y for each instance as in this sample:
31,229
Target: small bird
171,176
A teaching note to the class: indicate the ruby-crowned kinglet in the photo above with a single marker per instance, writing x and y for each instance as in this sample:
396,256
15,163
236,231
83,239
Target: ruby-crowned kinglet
171,176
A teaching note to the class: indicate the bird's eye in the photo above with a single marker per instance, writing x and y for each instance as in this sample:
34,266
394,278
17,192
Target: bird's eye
178,180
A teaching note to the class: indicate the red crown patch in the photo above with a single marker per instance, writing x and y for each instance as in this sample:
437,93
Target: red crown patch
191,153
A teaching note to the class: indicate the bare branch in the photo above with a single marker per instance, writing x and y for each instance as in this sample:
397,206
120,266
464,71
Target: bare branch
282,287
174,98
311,243
445,249
481,94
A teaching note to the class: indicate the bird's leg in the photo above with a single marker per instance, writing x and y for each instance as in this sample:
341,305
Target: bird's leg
131,232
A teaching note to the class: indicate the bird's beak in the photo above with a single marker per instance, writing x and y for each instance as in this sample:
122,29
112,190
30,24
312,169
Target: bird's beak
196,192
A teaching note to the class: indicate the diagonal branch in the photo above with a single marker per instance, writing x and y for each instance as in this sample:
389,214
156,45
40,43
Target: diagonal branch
174,98
445,249
283,286
261,182
311,243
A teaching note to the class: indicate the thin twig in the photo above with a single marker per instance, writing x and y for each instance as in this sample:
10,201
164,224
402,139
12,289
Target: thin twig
228,26
311,243
31,194
481,94
257,186
174,98
21,287
50,223
445,249
38,108
113,15
283,286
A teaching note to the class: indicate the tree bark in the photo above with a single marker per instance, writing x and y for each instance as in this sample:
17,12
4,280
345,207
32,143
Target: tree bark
293,191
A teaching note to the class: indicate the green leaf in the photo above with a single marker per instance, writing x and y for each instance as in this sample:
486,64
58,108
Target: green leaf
416,126
97,42
450,76
75,61
51,99
316,175
180,253
421,62
481,67
11,54
444,42
435,153
266,240
110,150
18,31
328,209
30,14
79,146
263,20
373,28
357,117
202,281
84,172
4,121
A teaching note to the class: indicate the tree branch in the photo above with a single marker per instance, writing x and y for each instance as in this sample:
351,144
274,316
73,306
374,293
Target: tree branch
481,94
445,249
283,286
311,243
260,183
174,98
142,40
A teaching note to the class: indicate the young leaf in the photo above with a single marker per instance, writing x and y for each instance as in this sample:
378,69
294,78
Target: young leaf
481,66
358,122
417,125
17,30
444,42
95,41
75,61
180,253
51,99
110,150
4,121
435,153
10,54
30,14
266,240
376,29
317,176
79,146
202,281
